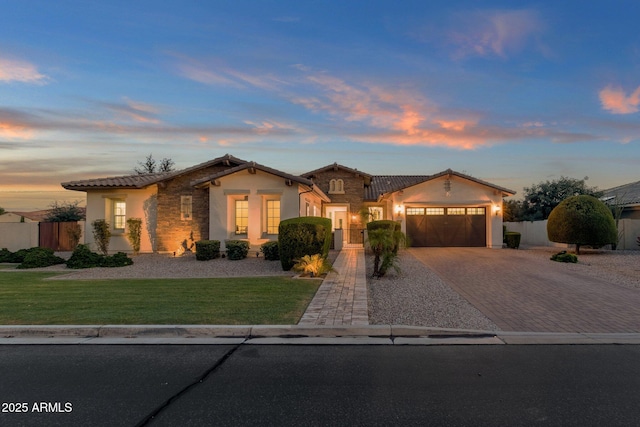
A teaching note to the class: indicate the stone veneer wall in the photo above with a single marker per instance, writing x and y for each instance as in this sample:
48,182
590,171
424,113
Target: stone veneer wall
171,230
353,190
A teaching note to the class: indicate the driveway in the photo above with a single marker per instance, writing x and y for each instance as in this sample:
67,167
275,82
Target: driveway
521,292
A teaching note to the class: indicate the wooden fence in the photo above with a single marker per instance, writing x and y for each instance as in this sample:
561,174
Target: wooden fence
57,235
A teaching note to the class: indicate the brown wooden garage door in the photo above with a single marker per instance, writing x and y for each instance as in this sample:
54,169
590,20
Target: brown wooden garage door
447,226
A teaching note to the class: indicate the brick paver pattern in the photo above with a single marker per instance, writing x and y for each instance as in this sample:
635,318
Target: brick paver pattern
342,296
519,293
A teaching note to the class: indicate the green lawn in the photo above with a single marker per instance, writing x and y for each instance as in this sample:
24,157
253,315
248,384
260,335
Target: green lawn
27,298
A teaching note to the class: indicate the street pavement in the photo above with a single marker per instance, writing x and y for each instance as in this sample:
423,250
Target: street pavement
195,385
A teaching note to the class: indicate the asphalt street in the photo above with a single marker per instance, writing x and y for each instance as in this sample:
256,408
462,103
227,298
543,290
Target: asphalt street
171,385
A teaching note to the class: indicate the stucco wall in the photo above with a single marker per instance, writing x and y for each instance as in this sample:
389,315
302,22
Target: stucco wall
139,203
256,188
18,235
462,193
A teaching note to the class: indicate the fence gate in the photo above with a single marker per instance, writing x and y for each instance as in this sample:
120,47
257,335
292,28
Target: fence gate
355,236
56,235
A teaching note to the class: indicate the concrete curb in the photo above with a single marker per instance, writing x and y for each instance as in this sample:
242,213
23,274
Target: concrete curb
291,334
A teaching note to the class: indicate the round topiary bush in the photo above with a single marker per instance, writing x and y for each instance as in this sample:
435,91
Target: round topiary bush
582,220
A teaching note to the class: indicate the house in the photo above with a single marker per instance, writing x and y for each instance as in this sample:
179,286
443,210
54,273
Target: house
626,197
34,216
230,198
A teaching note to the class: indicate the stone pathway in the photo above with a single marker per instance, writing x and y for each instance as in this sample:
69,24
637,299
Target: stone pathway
342,297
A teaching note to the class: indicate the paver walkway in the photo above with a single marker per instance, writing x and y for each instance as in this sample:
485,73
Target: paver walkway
520,293
342,297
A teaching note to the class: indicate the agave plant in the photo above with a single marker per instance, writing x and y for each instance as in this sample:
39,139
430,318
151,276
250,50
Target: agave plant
313,265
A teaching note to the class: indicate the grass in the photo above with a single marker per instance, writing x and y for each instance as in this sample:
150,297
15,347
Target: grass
27,298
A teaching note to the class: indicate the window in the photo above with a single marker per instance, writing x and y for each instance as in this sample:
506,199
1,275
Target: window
415,211
242,216
435,211
186,208
273,216
375,213
336,186
455,211
306,210
475,211
119,214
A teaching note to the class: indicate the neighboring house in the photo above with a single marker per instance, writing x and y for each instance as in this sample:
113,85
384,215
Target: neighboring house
626,197
34,216
229,198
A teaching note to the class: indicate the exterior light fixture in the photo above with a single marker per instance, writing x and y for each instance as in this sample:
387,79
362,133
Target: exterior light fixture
497,209
399,209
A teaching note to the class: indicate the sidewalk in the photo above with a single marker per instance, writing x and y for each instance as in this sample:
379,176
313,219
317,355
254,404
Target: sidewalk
342,297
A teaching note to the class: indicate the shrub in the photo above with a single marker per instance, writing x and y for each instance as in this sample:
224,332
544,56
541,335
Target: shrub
302,236
270,251
75,233
5,255
236,249
512,239
393,226
134,231
313,265
101,235
582,220
207,249
82,257
18,256
564,257
40,257
119,259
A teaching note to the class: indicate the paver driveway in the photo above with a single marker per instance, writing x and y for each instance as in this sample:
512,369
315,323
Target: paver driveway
523,293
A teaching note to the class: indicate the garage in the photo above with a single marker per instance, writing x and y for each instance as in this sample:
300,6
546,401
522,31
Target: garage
447,226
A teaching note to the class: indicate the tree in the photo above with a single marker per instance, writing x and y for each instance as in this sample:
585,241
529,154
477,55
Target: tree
151,166
512,210
2,211
582,220
65,212
540,199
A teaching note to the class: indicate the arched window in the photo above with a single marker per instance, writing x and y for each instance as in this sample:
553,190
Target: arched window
339,186
332,186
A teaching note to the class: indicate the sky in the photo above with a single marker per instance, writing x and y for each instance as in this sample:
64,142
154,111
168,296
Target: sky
513,93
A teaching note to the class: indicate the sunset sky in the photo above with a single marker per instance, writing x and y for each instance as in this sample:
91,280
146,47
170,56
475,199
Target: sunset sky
513,93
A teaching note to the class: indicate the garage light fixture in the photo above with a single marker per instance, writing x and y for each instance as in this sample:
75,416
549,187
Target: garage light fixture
496,209
399,209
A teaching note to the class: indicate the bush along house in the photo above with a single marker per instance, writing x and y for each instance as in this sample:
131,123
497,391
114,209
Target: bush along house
229,199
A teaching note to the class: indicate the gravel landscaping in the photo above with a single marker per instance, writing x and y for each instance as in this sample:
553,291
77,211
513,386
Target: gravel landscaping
417,297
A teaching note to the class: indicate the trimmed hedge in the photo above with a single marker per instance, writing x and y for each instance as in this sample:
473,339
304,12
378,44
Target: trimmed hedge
307,235
207,249
512,239
236,249
270,251
582,220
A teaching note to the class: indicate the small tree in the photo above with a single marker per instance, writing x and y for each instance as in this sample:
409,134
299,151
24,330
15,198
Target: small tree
101,235
540,199
582,220
385,240
65,212
134,231
151,166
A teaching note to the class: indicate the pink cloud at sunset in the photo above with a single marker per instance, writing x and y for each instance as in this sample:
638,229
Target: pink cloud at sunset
494,33
14,131
13,70
615,100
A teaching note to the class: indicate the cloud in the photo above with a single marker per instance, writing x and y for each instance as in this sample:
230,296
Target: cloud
494,33
136,111
13,70
615,100
214,73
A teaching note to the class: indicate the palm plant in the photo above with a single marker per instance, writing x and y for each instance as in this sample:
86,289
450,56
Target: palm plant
384,243
313,265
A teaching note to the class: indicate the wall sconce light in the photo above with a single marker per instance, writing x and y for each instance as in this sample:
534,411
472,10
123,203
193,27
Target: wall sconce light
497,209
398,209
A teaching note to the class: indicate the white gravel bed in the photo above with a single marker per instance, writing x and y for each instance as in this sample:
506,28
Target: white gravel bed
418,297
156,266
619,267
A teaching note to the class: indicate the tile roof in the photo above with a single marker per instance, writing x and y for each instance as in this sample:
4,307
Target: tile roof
144,180
253,165
629,194
382,184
